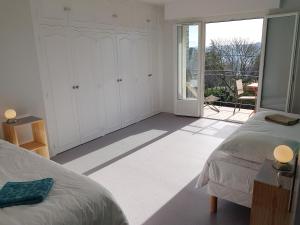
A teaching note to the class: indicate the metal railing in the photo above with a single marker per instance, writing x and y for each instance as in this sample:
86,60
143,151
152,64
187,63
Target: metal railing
222,84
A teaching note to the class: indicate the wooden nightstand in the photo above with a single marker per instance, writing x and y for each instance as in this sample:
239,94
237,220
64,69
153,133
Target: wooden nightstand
270,202
39,144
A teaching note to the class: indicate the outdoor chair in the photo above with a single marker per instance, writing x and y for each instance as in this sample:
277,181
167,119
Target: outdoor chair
240,97
209,100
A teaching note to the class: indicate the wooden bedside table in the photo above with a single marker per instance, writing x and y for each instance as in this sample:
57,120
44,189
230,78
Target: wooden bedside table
39,144
270,202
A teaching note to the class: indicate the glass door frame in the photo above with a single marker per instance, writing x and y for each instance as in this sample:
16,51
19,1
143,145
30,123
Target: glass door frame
229,19
179,104
292,63
190,107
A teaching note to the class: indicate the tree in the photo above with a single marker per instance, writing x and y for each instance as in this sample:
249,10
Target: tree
227,59
238,55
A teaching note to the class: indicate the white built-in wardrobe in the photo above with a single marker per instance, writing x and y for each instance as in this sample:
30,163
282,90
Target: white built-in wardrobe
96,78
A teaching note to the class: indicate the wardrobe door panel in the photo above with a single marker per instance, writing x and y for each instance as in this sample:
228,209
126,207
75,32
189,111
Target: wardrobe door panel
87,85
52,12
127,79
107,63
105,12
144,78
142,16
83,12
123,11
153,69
60,98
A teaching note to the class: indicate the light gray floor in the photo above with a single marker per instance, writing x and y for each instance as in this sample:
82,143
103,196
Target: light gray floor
188,206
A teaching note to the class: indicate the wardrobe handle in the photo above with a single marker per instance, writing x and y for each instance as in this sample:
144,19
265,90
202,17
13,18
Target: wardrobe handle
150,75
67,9
121,80
77,86
74,87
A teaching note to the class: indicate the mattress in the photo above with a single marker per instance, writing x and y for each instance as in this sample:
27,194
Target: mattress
74,199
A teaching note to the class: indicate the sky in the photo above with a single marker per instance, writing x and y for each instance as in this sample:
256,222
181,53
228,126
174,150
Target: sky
246,29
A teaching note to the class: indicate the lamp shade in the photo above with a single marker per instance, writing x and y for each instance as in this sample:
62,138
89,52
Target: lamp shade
283,154
10,114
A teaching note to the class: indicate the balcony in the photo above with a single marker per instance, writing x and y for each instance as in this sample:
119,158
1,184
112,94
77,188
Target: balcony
226,113
228,95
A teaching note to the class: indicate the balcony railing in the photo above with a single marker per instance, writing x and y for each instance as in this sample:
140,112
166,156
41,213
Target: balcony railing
222,84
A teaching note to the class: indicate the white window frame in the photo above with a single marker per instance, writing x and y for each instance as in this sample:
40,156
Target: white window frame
188,107
202,36
262,61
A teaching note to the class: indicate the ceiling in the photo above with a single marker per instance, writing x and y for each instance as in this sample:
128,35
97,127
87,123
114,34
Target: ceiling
160,2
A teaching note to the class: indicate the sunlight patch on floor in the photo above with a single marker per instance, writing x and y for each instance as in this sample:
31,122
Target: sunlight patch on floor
226,113
145,181
109,152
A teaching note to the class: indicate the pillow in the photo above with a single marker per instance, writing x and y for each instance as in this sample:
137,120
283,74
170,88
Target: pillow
254,146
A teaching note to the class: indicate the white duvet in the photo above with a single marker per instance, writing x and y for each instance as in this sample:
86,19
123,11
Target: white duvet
73,200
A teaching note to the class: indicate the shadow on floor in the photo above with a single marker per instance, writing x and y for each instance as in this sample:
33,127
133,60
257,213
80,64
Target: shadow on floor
191,207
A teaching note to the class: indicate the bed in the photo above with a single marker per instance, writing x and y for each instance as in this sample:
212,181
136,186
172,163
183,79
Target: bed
230,174
74,199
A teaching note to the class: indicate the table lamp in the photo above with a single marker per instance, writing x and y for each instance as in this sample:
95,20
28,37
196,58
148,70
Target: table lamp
10,116
283,154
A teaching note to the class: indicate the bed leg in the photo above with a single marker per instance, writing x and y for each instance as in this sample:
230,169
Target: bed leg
213,204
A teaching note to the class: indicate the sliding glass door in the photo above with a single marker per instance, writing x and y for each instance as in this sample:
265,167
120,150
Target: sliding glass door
189,51
277,74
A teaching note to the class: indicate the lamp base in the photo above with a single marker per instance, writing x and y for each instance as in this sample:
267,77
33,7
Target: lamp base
282,166
10,121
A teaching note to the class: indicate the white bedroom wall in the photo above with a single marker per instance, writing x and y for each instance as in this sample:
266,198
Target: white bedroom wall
19,75
204,8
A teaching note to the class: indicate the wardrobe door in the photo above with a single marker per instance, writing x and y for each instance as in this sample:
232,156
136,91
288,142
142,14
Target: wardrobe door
52,12
107,64
83,12
58,81
87,84
127,79
153,69
278,62
144,76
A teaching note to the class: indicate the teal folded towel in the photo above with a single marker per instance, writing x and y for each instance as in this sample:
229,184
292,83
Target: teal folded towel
25,193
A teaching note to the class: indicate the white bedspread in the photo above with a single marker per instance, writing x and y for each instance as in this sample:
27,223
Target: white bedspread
219,166
73,200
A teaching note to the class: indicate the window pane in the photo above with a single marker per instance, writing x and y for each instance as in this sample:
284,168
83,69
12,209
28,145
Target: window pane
279,44
188,61
296,91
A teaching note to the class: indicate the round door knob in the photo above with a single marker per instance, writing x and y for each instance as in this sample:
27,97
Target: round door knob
77,86
74,87
121,80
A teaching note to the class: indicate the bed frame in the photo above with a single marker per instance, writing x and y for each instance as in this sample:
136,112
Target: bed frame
213,200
